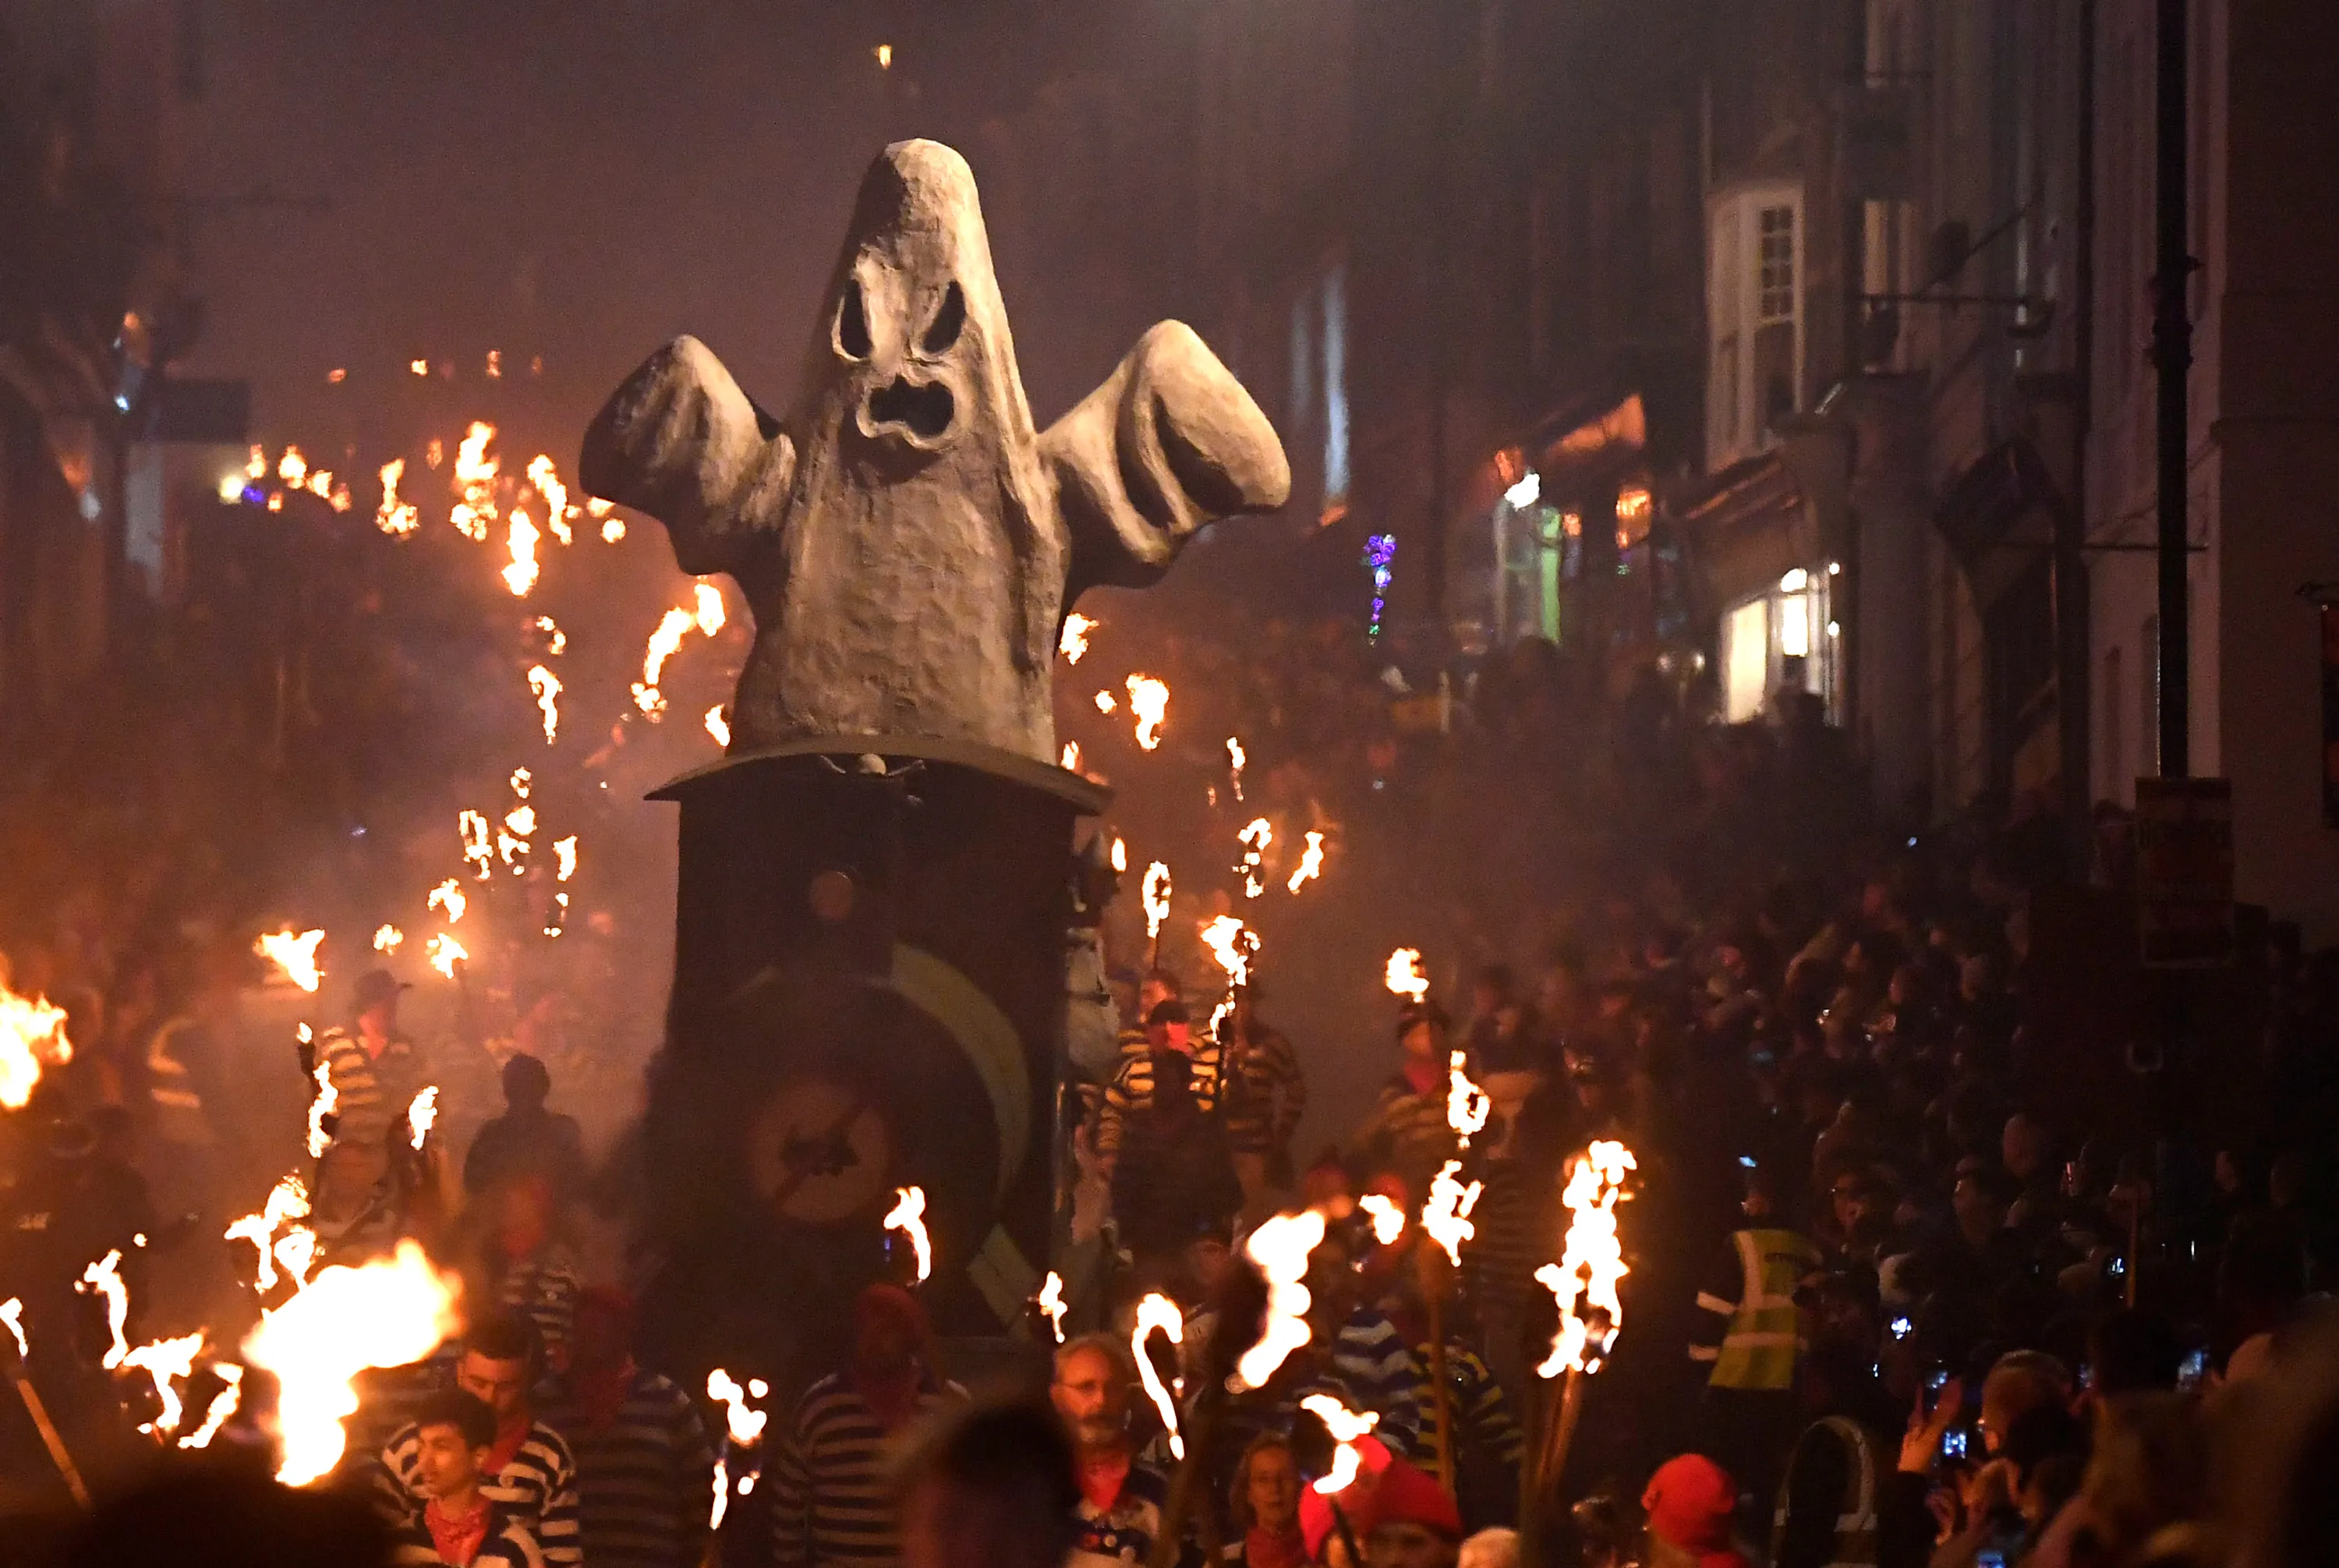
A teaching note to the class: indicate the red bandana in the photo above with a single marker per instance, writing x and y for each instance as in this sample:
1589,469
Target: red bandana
458,1541
1102,1479
1274,1549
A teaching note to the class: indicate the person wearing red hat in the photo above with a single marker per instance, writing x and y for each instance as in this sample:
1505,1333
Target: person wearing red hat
1690,1501
1395,1513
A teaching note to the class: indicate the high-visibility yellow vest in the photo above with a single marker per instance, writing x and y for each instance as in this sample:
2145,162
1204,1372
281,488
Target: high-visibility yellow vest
1758,1353
1856,1532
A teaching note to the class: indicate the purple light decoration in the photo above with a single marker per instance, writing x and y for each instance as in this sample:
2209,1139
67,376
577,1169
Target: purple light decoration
1380,550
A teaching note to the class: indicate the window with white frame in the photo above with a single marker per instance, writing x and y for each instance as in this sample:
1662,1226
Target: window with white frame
1754,315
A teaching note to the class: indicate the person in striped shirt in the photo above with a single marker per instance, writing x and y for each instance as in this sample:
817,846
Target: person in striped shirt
1365,1350
1163,1138
374,1076
458,1523
832,1505
1406,1131
1267,1095
644,1470
530,1472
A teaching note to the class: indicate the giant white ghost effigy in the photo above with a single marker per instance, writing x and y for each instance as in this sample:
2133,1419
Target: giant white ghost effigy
908,542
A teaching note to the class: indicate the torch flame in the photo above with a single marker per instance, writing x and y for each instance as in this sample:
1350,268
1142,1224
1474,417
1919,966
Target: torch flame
1280,1247
546,687
11,1312
421,1115
1388,1219
547,480
449,896
1231,944
556,640
1051,1303
390,1312
395,516
1311,864
908,1217
1404,977
1070,759
223,1405
476,472
718,725
1106,702
32,1033
746,1424
288,1201
387,938
478,846
104,1277
1446,1218
295,955
1148,701
1158,1312
1254,839
709,614
1156,891
445,953
1346,1426
564,850
671,629
1592,1262
521,538
1073,641
320,1104
293,468
1467,1106
1120,854
1234,761
164,1360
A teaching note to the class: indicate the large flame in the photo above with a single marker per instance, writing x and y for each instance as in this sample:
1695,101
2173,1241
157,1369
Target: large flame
1346,1426
1280,1247
31,1036
908,1216
1149,700
1404,977
295,954
1592,1264
1311,863
390,1312
1073,641
1158,1312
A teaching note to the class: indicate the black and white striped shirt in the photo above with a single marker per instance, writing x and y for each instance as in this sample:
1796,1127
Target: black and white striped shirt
507,1545
543,1285
537,1490
831,1499
644,1480
369,1092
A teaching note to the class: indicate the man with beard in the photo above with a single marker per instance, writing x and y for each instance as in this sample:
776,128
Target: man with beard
1121,1497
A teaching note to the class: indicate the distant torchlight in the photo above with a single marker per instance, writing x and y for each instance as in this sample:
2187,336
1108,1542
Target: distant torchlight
884,52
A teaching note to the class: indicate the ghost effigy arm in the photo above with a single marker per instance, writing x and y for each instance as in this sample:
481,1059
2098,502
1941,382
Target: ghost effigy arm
681,441
1170,443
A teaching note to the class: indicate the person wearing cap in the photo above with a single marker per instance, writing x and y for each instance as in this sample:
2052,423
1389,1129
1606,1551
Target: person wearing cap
1690,1501
1163,1139
374,1074
1393,1513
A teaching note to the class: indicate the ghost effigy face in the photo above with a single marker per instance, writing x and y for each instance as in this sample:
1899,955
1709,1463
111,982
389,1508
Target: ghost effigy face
908,544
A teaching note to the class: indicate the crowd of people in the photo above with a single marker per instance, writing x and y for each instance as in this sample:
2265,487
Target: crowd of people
1895,1292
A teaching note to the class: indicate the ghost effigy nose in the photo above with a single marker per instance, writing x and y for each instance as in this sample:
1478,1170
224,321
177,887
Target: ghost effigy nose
921,409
